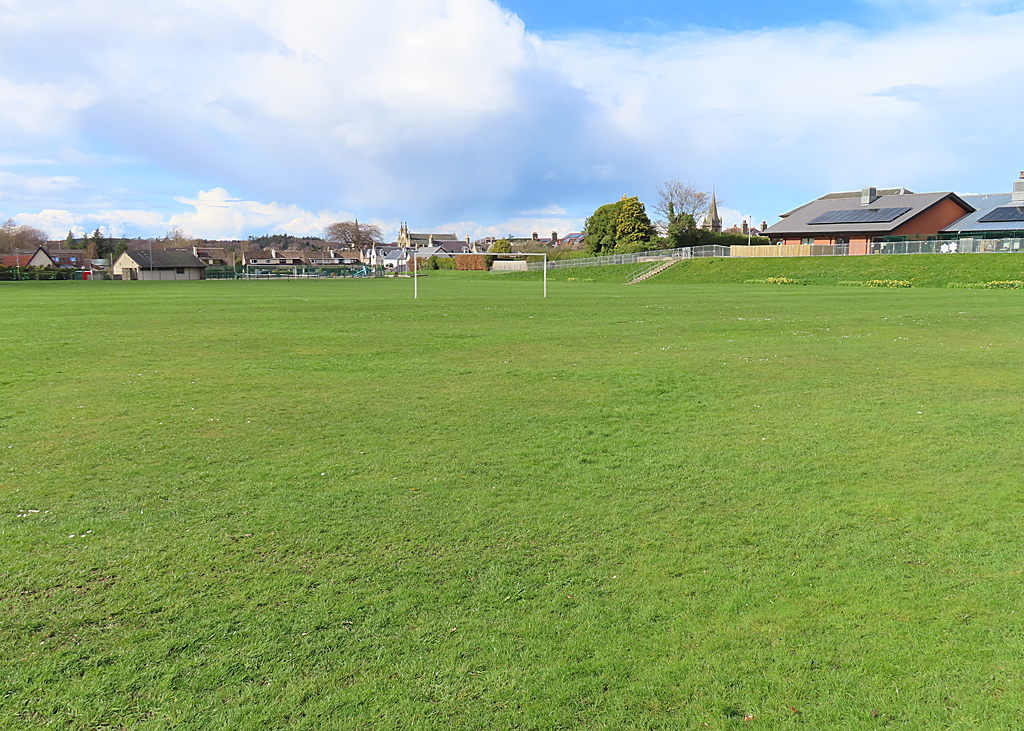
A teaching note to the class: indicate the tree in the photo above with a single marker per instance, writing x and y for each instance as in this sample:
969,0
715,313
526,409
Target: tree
69,242
633,229
176,238
683,231
91,251
501,246
22,238
600,229
353,235
678,198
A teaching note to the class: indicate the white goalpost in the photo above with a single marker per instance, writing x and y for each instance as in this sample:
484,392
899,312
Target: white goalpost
416,269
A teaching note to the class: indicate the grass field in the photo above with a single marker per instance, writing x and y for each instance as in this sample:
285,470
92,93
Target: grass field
254,505
922,270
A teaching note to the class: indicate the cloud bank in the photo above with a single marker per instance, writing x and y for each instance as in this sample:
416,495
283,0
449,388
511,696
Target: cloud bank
451,114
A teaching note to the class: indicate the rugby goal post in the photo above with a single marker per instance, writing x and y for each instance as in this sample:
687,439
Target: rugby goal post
416,269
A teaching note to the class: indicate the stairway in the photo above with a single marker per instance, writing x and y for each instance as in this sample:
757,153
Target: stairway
650,272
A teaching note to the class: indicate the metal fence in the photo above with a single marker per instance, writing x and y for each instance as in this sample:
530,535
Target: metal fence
688,252
961,246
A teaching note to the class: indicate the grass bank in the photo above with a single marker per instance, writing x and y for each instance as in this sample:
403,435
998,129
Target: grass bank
310,504
922,270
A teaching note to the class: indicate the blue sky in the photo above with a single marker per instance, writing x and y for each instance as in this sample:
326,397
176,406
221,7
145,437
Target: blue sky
654,16
231,118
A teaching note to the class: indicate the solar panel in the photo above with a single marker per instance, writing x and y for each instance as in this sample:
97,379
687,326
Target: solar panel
860,215
1003,215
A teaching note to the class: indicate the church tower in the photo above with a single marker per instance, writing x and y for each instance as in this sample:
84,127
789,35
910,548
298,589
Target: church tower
712,221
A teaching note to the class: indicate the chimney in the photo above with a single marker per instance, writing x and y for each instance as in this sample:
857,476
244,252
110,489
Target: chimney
1018,191
868,196
744,229
195,251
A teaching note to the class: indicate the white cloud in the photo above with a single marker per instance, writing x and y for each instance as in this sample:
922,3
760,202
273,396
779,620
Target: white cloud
213,214
430,110
520,226
551,210
216,211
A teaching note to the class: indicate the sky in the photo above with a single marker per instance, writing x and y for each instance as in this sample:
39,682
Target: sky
231,118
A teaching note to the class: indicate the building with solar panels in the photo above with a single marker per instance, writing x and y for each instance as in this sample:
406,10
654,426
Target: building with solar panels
995,216
854,221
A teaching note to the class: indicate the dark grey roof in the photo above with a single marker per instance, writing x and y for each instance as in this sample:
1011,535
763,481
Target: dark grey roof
798,221
167,259
437,237
985,204
852,194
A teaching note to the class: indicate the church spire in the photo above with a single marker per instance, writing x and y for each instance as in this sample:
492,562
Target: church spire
713,222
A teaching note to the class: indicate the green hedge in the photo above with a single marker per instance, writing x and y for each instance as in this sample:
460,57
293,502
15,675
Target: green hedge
13,274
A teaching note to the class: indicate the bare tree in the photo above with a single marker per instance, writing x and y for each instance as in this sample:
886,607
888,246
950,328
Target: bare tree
678,198
176,238
353,235
22,238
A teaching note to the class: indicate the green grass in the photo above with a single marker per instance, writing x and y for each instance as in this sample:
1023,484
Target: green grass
922,270
324,505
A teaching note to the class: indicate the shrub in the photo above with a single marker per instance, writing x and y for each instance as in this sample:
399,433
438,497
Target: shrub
998,284
893,283
773,280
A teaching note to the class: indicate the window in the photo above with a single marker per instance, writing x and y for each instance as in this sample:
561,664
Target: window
180,270
807,240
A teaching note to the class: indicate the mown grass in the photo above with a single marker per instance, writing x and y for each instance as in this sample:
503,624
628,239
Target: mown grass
922,270
321,504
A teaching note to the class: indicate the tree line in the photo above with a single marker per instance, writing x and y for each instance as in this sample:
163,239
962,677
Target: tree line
624,227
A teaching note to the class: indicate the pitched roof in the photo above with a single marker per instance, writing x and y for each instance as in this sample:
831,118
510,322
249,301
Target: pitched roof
167,259
984,205
437,237
426,252
799,221
851,194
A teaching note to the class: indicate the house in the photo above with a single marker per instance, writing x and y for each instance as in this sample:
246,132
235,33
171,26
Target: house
41,259
66,258
214,257
995,216
446,249
744,229
51,259
275,258
375,255
572,241
861,219
169,264
394,259
331,258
